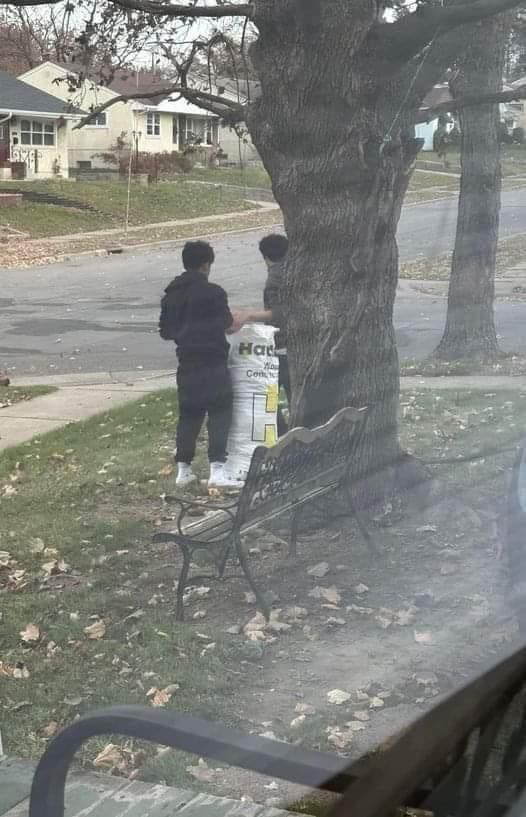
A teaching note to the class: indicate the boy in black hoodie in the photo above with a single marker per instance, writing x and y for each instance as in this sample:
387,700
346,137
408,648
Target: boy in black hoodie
195,314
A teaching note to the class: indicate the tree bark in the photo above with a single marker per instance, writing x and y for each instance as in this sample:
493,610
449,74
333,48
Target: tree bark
339,173
470,326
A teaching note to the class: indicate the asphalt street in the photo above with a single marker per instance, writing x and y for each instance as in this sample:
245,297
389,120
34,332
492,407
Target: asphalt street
94,314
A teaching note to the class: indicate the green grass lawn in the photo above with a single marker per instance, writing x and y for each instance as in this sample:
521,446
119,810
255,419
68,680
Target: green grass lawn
77,509
16,394
254,176
155,203
258,177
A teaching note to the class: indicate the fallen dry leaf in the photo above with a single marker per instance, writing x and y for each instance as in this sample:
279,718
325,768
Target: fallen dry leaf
355,726
49,568
20,671
30,634
384,618
166,471
341,738
74,700
96,630
36,545
275,625
319,571
361,589
295,614
331,594
109,757
160,697
338,697
405,617
298,721
201,772
361,716
304,709
423,637
50,730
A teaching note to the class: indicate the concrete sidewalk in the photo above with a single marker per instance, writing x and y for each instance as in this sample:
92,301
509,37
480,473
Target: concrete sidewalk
100,795
80,396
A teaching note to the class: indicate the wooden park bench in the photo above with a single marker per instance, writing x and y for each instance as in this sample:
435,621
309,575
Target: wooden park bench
463,758
302,469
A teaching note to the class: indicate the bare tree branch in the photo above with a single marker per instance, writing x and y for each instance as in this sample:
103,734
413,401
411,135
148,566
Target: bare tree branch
409,34
230,111
160,8
475,99
163,9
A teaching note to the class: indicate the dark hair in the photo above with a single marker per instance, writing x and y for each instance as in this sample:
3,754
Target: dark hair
274,247
196,254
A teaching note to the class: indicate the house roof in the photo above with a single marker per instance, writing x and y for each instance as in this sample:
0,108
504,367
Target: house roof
129,80
183,106
238,90
17,96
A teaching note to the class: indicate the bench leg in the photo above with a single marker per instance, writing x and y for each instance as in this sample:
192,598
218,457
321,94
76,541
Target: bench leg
260,598
179,614
361,524
221,567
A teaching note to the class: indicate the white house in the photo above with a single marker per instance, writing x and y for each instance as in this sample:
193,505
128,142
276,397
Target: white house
510,113
173,124
35,129
152,125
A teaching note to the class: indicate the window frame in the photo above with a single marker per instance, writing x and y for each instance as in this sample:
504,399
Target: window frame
94,123
153,124
37,133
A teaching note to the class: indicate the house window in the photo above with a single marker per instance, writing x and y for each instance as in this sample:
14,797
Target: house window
99,121
153,124
33,132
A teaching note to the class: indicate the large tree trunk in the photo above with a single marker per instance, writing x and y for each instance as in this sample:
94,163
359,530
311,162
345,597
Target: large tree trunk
470,326
340,184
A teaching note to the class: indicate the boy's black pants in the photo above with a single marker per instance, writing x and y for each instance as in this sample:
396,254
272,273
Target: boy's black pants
203,391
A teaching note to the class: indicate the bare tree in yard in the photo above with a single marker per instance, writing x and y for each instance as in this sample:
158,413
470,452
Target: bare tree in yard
470,326
340,86
91,38
29,37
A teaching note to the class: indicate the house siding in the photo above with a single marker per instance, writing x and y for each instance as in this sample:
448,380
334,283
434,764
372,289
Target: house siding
42,161
86,143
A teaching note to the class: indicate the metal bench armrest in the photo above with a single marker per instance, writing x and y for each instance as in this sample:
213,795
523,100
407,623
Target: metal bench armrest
189,734
187,505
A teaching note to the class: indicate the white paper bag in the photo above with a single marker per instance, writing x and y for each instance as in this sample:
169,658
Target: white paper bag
254,368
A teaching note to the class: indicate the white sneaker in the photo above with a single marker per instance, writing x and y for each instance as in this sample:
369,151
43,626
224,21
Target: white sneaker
220,478
185,475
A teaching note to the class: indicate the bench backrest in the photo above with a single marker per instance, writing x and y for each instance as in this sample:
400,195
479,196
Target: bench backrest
303,462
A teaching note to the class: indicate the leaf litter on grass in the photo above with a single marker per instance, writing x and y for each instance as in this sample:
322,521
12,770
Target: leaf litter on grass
88,530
